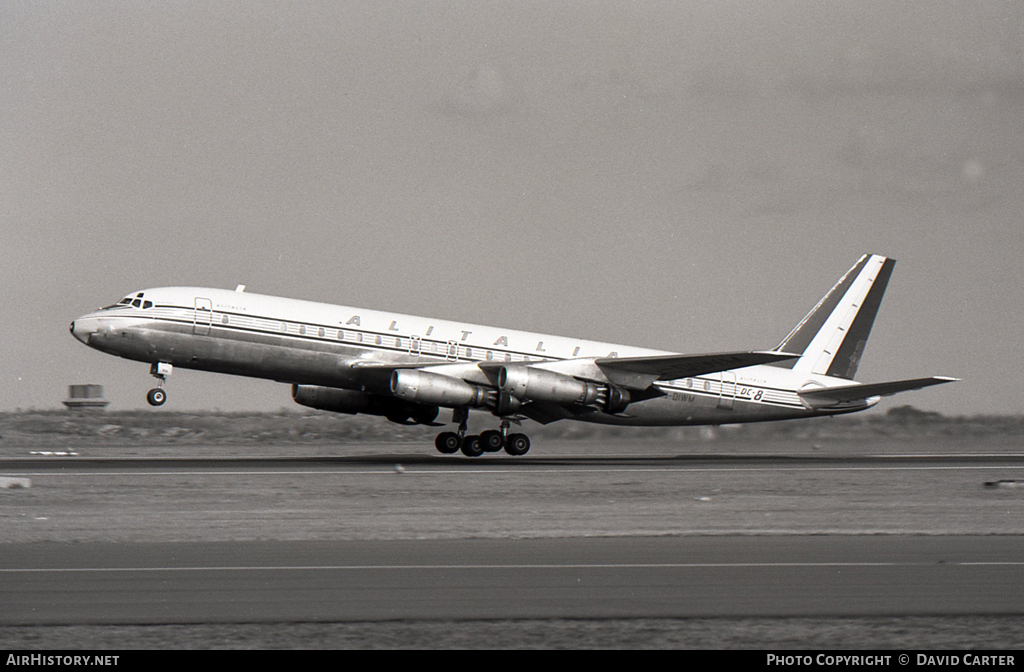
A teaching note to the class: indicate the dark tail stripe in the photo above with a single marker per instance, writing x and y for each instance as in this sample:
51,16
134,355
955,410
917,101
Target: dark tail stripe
844,364
802,335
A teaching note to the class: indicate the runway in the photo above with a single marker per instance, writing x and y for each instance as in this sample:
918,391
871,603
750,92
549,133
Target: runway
45,462
393,535
253,582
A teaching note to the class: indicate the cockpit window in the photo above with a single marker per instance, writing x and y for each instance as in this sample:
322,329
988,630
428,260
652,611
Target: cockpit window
136,301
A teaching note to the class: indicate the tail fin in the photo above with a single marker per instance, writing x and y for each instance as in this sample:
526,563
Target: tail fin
832,336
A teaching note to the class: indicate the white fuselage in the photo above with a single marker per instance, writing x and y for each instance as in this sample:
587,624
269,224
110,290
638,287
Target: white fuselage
307,343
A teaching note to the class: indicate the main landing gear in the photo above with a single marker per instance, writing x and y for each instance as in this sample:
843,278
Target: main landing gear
160,371
490,441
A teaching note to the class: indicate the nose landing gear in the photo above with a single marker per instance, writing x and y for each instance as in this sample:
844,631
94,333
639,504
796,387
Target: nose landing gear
160,371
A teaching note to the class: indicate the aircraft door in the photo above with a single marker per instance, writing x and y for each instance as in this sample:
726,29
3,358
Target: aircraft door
203,317
415,346
727,390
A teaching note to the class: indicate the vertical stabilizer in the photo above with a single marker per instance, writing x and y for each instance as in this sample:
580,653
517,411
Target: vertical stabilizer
832,336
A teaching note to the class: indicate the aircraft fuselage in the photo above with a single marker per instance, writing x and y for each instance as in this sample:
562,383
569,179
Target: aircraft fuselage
307,343
406,368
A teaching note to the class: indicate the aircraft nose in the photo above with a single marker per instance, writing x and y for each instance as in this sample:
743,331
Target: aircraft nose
80,329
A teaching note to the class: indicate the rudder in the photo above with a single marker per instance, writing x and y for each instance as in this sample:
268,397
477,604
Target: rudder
831,338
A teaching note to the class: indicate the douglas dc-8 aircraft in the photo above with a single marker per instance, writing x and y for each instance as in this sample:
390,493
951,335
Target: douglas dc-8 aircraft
406,368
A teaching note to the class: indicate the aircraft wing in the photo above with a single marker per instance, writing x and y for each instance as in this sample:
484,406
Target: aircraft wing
639,372
373,364
545,413
375,374
824,397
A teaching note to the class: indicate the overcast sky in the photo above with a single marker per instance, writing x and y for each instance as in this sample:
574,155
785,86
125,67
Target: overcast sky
688,176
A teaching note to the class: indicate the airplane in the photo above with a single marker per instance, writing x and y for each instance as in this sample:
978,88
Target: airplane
406,368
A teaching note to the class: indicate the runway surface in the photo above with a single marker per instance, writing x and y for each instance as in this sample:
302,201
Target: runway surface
58,461
396,495
491,579
416,537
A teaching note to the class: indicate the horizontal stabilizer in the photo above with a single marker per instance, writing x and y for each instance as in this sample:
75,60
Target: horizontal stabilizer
640,372
824,397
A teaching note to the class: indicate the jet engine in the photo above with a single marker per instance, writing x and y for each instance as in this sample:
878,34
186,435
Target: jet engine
423,387
529,383
354,401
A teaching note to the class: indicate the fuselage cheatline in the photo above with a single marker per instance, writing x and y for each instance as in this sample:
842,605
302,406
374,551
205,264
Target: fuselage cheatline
407,368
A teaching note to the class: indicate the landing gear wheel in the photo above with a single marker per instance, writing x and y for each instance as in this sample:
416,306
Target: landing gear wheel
492,441
471,446
447,443
517,444
156,397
